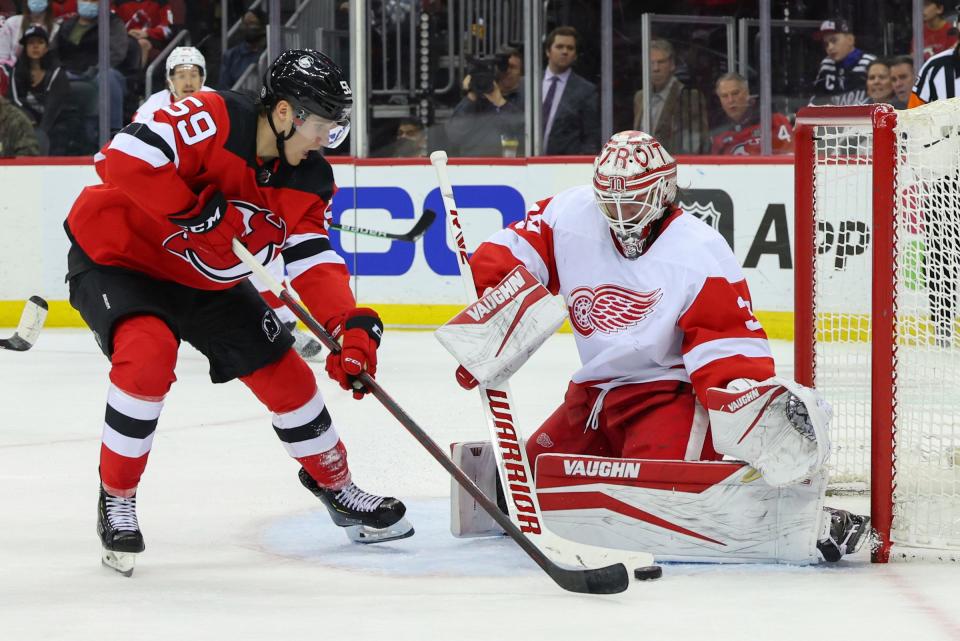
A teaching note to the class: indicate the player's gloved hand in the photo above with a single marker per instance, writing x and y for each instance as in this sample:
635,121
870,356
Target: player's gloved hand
359,332
214,223
465,379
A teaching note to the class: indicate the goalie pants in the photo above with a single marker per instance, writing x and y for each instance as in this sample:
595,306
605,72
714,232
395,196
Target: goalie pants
656,420
139,321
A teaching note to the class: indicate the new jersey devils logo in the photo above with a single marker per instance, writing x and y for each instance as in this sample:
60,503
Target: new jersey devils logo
609,308
264,234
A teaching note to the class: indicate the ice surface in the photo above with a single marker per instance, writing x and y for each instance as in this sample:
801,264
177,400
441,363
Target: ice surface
236,549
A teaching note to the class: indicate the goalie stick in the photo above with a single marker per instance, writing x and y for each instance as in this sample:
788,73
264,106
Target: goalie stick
608,580
516,477
418,229
28,330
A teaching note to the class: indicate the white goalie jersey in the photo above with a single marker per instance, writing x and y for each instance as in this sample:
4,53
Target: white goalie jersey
681,311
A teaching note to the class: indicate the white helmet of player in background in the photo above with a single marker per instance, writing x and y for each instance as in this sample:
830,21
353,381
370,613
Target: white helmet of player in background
634,179
186,56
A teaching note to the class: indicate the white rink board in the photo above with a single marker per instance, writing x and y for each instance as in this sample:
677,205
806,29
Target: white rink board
736,197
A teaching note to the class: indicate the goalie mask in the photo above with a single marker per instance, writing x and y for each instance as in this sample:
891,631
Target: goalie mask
634,180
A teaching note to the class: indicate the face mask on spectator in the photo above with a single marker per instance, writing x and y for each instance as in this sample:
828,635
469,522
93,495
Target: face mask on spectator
37,6
252,34
87,10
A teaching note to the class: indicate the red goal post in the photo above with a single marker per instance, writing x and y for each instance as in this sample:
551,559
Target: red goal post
876,276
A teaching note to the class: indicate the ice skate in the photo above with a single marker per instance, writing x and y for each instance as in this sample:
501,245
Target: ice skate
365,517
843,533
119,532
306,345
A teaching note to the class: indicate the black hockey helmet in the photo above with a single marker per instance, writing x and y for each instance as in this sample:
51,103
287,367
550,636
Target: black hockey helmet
314,84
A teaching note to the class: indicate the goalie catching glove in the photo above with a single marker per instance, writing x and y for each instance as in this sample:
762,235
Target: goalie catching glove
359,332
494,337
778,426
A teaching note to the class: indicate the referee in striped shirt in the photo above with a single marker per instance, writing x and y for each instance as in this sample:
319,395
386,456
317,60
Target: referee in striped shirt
938,81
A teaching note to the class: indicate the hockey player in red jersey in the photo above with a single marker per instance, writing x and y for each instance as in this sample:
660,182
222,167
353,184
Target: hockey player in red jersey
151,264
668,342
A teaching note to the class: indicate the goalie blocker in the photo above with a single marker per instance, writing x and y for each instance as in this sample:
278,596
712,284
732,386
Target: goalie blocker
493,337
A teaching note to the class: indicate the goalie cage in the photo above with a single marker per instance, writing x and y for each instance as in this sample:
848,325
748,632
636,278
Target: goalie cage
877,270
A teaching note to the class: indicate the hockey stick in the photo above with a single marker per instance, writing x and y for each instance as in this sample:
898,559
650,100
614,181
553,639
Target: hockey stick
418,229
498,406
607,580
28,330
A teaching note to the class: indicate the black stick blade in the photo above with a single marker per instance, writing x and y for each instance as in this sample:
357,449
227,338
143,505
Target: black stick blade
422,225
611,579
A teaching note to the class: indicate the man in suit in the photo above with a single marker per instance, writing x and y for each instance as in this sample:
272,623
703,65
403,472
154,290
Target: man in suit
570,109
678,114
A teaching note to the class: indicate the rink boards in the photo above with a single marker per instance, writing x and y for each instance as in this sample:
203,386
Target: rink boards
749,201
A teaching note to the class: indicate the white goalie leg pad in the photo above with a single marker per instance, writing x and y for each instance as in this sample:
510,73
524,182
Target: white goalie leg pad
778,426
494,337
689,511
478,462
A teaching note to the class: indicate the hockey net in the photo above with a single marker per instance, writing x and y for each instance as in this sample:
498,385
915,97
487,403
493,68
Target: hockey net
877,273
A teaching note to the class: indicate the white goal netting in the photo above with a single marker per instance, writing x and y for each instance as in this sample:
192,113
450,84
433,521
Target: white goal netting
925,346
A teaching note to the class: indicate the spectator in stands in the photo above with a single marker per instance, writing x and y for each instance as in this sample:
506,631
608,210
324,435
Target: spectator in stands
16,132
148,22
13,28
186,73
879,84
740,135
570,106
237,59
77,45
410,141
484,123
39,85
678,114
64,8
842,79
902,77
510,77
938,34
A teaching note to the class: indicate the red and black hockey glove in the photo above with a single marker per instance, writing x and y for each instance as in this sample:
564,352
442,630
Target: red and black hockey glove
213,223
359,332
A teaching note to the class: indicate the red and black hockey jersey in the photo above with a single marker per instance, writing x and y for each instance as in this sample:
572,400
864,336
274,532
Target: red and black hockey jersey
155,169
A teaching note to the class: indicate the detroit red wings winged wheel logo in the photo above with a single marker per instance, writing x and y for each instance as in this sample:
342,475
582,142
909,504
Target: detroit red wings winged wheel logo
609,308
264,235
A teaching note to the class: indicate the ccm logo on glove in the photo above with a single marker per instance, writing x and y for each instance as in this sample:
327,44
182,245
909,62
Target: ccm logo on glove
359,332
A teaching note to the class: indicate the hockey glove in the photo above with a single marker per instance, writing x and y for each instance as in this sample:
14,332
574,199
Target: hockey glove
213,223
359,332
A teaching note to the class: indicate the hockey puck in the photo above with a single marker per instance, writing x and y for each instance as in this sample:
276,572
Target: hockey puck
648,573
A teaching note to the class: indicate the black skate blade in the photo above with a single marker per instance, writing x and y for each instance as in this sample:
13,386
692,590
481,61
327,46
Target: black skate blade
120,562
367,535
